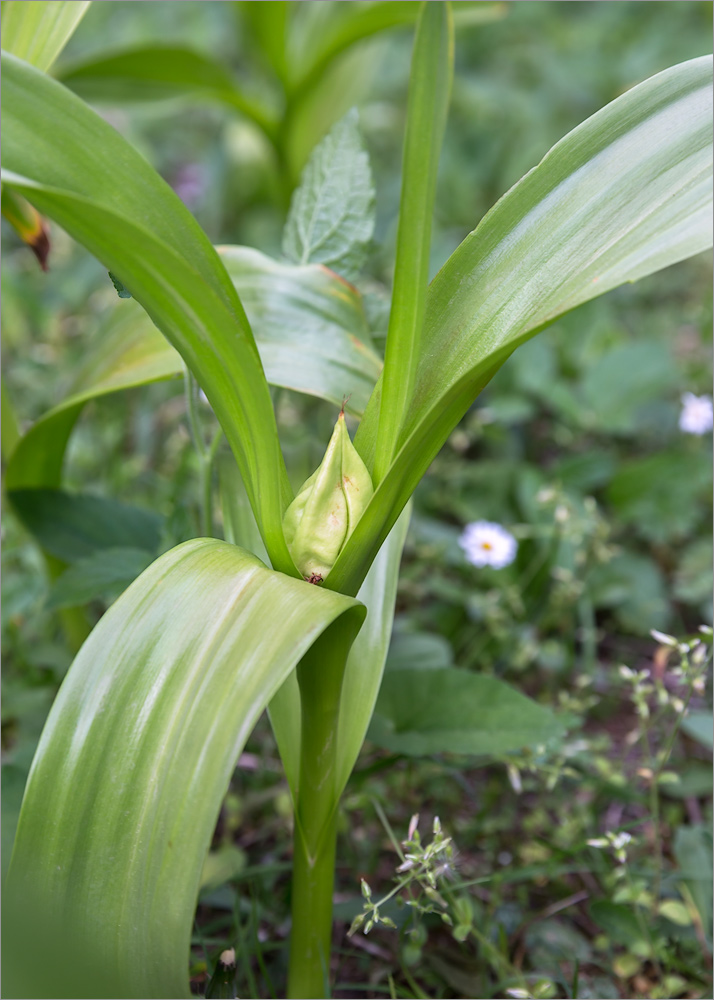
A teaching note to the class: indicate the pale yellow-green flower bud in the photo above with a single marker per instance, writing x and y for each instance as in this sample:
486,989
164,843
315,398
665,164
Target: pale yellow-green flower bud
327,507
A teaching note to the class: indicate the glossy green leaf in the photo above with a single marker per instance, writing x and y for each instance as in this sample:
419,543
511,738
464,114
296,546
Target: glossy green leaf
331,216
88,178
134,763
422,712
155,72
311,333
310,327
626,193
363,673
429,91
126,351
37,31
71,526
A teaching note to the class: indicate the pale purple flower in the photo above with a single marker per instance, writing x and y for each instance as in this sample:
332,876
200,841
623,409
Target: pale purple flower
486,543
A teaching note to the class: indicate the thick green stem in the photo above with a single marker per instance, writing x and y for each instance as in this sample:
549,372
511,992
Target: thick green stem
313,882
320,678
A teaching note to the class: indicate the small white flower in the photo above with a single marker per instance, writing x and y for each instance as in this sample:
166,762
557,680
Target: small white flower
662,638
697,416
413,824
488,544
619,840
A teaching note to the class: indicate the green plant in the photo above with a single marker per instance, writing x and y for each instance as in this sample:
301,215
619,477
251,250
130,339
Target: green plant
136,756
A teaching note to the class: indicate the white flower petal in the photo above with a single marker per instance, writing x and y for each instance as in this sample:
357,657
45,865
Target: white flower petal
486,543
697,414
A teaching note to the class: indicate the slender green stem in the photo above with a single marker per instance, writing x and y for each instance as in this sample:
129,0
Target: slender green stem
657,765
320,676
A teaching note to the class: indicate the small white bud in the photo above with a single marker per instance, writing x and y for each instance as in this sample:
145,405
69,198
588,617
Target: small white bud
662,638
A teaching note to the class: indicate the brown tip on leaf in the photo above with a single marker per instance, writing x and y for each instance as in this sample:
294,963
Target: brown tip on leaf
345,401
40,245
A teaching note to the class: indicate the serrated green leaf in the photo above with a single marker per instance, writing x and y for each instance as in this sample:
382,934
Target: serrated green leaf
37,31
423,712
331,217
133,765
310,327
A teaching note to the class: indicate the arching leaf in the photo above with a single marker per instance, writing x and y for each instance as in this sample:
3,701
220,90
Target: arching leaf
625,194
134,763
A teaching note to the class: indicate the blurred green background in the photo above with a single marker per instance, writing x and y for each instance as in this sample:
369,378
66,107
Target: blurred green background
574,447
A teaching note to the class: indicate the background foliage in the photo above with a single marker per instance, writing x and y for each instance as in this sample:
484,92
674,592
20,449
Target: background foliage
574,447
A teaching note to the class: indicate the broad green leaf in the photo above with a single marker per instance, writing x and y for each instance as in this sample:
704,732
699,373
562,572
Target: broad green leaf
134,763
154,72
8,424
625,194
429,91
363,673
423,712
268,24
663,496
347,24
331,217
634,587
311,333
222,865
71,526
693,579
90,180
126,351
102,575
37,31
419,651
310,327
239,525
699,725
365,664
617,920
693,851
